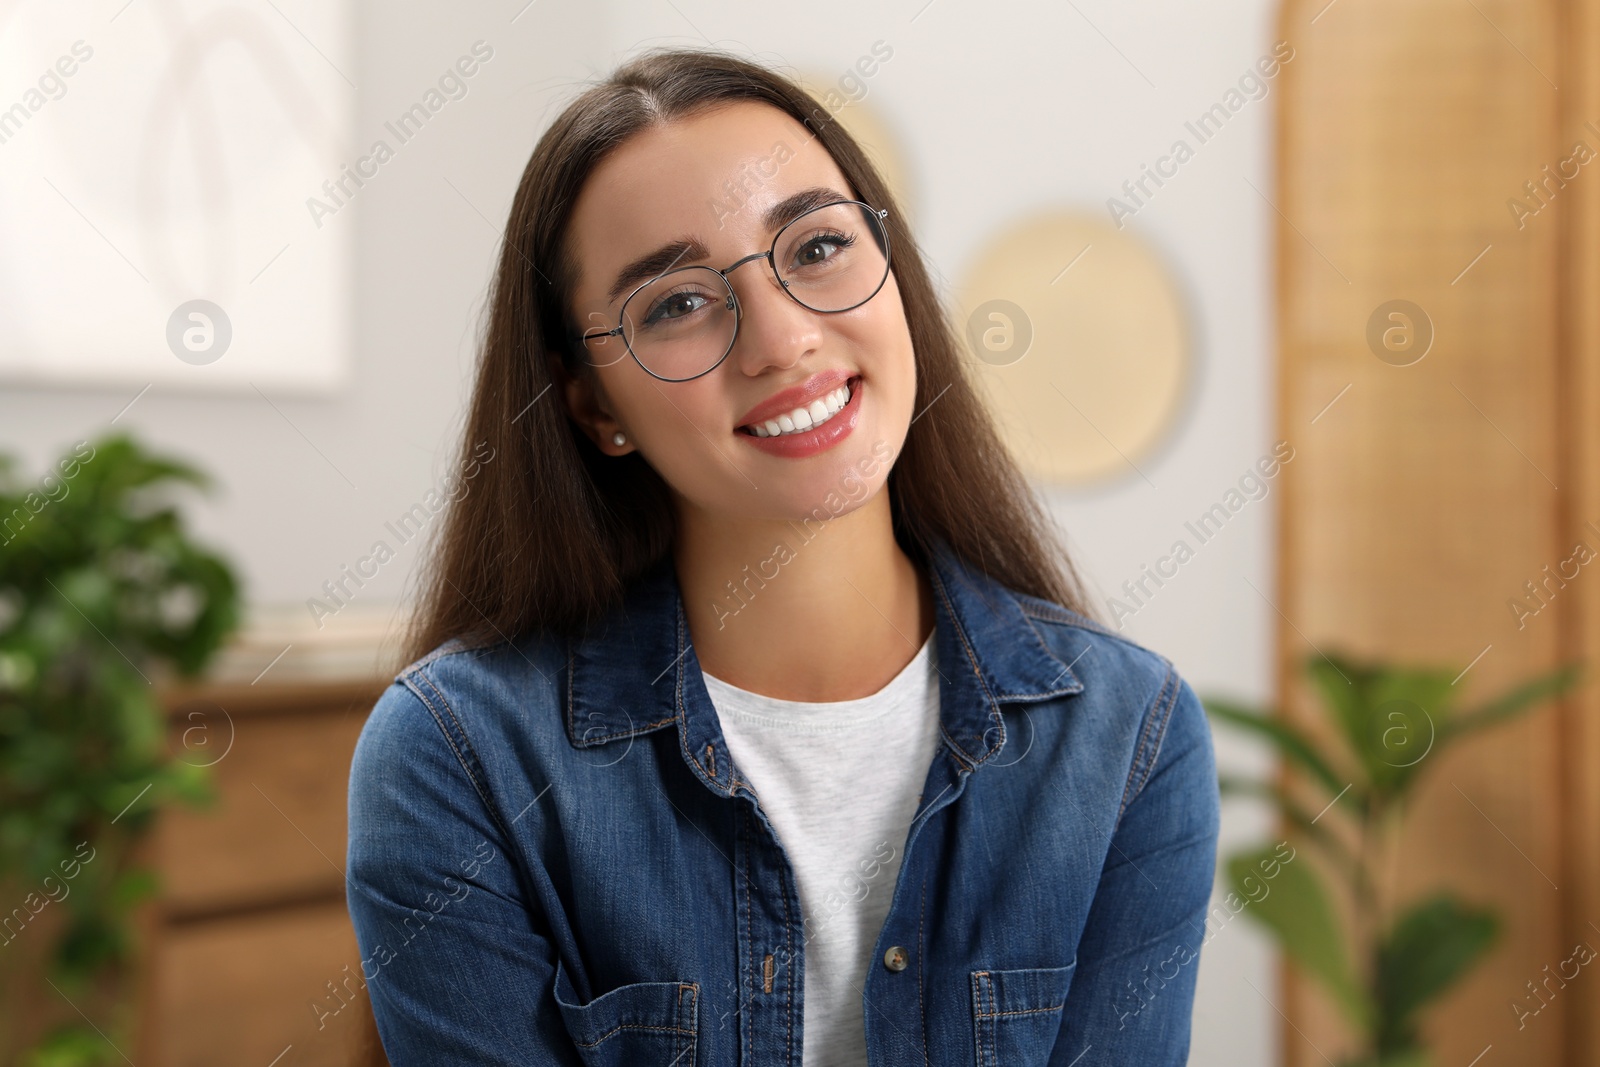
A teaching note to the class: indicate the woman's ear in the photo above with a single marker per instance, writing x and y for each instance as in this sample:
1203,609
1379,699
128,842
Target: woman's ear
589,407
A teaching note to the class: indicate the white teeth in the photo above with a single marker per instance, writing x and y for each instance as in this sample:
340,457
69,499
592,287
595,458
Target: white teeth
809,417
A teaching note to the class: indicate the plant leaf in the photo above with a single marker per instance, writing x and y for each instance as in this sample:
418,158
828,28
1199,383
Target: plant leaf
1343,684
1408,703
1513,702
1389,716
1297,815
1291,743
1296,909
1429,948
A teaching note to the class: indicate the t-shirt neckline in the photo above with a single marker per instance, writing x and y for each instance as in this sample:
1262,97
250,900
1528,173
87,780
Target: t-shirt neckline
774,711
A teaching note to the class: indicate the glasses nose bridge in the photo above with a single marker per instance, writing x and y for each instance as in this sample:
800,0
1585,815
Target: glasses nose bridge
725,271
782,285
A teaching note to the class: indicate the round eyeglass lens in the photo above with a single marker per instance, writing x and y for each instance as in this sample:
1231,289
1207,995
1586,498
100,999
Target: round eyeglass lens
680,324
833,258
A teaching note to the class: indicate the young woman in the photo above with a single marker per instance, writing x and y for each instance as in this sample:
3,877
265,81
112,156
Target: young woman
756,714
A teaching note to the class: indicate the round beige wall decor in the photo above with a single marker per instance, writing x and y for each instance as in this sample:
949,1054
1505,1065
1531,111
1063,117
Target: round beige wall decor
1077,338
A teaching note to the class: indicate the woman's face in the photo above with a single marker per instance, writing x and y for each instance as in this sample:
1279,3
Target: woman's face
710,180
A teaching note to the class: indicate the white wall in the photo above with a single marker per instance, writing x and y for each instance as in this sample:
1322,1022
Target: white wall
1002,108
307,486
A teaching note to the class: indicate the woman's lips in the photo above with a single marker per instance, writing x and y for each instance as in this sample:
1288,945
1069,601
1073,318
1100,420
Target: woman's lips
770,427
801,394
818,438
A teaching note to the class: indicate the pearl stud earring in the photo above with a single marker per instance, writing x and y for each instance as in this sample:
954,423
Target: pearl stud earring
619,438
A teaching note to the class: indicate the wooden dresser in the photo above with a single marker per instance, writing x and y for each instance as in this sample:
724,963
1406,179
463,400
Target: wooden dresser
252,958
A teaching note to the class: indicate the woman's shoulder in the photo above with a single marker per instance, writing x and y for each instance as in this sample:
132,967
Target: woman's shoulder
474,692
500,662
1138,704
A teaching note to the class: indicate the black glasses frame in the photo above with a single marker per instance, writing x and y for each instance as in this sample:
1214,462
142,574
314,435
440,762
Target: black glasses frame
733,300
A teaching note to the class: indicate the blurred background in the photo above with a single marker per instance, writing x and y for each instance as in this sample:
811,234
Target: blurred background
1290,310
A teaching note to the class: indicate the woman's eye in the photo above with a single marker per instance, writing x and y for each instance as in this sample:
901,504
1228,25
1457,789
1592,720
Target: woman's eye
676,306
817,250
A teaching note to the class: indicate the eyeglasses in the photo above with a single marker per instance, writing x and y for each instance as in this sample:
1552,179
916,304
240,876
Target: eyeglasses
681,324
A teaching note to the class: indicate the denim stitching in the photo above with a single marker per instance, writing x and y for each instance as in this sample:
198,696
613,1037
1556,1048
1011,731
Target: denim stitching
788,933
749,931
572,702
1155,729
1066,668
977,1022
999,722
992,1011
572,722
464,751
922,1010
980,1027
1024,1011
1045,611
985,995
994,1031
631,1026
679,711
690,1043
683,729
1034,630
449,648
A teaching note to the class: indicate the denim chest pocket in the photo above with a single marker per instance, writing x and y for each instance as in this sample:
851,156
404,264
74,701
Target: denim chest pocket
643,1023
1016,1014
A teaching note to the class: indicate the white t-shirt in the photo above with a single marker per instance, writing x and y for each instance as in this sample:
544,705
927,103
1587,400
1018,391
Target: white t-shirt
840,782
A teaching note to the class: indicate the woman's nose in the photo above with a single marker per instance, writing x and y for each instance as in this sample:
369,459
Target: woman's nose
774,328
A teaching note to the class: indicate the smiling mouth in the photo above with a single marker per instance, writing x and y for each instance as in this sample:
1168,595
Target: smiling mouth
804,419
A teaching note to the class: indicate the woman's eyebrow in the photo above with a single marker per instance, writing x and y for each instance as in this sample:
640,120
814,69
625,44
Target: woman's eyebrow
785,210
653,263
690,249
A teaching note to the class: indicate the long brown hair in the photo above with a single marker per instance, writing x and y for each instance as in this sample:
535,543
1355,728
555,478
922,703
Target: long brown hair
550,530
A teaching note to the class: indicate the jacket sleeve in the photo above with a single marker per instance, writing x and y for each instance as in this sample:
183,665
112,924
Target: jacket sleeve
458,968
1132,991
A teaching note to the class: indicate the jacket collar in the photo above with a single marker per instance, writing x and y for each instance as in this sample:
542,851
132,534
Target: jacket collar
636,671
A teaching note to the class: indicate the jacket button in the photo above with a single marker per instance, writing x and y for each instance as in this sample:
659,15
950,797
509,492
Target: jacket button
895,958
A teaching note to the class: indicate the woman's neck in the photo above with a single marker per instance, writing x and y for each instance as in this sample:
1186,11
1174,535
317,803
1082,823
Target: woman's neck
815,612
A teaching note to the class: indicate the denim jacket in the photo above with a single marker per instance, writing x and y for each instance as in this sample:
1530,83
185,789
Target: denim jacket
554,860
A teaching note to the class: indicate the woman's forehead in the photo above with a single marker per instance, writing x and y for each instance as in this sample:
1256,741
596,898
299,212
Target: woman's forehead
710,176
708,147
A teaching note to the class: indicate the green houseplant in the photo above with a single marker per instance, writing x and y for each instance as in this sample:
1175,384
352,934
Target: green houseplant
102,597
1390,723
